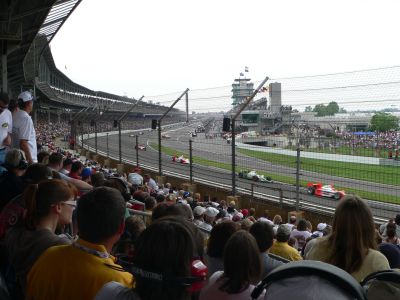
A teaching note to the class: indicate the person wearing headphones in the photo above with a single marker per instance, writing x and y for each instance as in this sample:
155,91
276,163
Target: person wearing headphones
11,182
166,264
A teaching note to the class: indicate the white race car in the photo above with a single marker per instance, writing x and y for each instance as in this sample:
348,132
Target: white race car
252,175
180,159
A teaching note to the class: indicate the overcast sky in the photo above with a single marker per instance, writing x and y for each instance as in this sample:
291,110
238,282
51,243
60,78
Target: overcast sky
157,47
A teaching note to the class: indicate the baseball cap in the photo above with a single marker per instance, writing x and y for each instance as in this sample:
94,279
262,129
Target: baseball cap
199,210
26,96
245,212
321,226
211,212
137,169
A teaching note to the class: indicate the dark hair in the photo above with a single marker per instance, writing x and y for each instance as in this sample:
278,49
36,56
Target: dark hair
150,202
12,105
391,230
100,214
41,156
21,104
4,98
36,173
76,165
302,225
242,262
97,179
166,247
397,219
67,162
55,158
160,198
353,233
219,236
40,197
264,235
164,209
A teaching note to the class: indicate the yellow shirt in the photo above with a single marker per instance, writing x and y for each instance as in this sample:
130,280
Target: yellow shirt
283,249
67,272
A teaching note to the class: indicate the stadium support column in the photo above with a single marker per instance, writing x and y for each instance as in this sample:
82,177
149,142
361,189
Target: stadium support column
187,107
4,73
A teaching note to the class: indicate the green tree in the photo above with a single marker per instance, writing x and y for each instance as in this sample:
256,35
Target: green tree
320,109
332,108
308,109
383,122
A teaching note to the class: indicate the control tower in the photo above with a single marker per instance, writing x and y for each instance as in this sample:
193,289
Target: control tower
241,88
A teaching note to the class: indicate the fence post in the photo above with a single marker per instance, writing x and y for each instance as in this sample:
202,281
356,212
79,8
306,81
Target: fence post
119,142
191,161
159,149
297,177
252,191
95,136
108,152
233,140
280,198
88,139
137,150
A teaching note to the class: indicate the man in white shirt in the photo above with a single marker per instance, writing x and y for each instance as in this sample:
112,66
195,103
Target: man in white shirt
5,126
23,132
151,183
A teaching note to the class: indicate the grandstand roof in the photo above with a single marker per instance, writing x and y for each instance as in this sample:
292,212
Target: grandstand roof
21,21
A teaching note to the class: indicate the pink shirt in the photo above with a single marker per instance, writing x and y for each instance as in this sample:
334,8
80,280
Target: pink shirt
212,292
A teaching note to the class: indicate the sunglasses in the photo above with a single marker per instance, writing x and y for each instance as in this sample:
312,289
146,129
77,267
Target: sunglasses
70,203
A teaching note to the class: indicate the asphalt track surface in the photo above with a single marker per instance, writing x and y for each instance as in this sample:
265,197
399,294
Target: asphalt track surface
218,150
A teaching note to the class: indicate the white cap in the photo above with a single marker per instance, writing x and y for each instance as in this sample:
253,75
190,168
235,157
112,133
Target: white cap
26,96
321,226
199,210
211,212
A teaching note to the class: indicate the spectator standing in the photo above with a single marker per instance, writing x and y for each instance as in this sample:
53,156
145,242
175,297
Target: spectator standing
264,235
281,246
351,245
100,216
23,132
5,126
67,164
391,236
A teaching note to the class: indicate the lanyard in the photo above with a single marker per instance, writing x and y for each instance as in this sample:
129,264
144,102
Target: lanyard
91,251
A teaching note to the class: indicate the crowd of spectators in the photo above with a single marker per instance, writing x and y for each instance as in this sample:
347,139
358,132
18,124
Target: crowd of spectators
71,228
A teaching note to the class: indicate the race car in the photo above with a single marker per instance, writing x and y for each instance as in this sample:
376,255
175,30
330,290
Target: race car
165,136
318,189
180,159
141,147
252,175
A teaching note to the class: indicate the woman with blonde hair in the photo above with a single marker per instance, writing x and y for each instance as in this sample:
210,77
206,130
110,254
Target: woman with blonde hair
351,245
49,205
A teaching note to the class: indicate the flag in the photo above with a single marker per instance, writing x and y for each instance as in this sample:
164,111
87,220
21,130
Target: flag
263,89
246,69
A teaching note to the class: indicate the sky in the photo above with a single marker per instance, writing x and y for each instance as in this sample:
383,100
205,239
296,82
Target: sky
158,47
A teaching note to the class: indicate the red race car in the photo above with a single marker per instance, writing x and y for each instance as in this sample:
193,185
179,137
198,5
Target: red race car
328,190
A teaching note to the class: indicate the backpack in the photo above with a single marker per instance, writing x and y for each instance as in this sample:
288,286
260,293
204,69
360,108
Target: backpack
309,280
